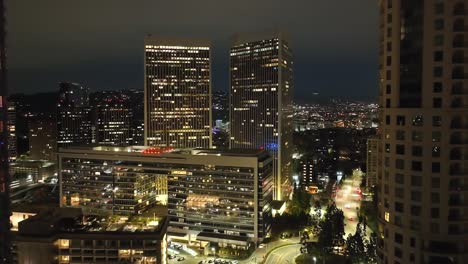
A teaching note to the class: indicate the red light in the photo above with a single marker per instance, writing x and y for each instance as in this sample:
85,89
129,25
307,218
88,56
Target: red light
157,150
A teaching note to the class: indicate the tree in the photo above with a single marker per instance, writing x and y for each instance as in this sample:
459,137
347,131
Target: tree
300,203
316,218
331,229
356,245
371,248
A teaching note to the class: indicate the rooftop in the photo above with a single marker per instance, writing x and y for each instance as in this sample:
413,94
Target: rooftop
165,150
72,221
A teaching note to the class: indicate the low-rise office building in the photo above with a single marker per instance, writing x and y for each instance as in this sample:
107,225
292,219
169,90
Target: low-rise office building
222,197
24,172
213,196
66,236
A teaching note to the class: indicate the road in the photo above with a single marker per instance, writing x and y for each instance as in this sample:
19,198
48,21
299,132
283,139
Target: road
290,251
285,254
348,199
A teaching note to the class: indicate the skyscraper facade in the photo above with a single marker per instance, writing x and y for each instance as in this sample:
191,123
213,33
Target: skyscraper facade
177,93
42,138
73,115
423,168
5,212
260,101
372,158
12,142
113,120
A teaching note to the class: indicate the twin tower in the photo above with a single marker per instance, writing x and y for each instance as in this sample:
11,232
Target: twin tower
178,91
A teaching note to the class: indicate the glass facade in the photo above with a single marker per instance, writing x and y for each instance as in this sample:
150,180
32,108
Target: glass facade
73,115
260,102
177,93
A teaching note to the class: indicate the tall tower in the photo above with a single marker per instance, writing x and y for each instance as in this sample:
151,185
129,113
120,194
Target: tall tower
5,212
73,115
12,142
177,93
261,101
423,163
113,120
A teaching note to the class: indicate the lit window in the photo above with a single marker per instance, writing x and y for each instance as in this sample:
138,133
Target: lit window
387,216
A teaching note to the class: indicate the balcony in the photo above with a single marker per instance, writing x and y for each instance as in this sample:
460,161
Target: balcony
459,122
458,169
459,102
445,248
457,200
459,26
458,73
459,89
459,58
459,9
459,154
459,41
459,138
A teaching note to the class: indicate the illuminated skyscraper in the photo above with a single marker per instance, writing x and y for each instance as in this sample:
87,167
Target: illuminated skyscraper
12,142
260,101
113,118
73,115
177,93
5,247
42,138
423,163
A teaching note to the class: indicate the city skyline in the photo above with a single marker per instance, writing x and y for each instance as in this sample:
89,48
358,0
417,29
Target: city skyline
322,52
198,132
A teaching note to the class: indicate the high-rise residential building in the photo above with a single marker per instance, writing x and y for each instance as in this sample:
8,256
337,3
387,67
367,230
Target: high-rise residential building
42,138
177,93
113,119
260,101
73,115
308,171
423,168
12,142
5,212
372,161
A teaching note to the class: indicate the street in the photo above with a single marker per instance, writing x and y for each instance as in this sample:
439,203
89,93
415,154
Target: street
288,250
348,199
285,254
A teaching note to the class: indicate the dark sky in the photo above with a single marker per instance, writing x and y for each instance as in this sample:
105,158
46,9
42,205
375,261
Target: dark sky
99,43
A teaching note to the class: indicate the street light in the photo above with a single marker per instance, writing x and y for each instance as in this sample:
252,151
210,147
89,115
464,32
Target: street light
315,260
214,252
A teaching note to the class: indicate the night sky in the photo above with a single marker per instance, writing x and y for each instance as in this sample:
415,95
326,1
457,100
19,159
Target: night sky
99,43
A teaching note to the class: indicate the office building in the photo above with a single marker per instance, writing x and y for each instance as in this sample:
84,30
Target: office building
65,236
372,161
12,142
423,168
73,115
5,246
26,172
42,138
260,101
213,196
113,119
177,93
109,180
221,197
